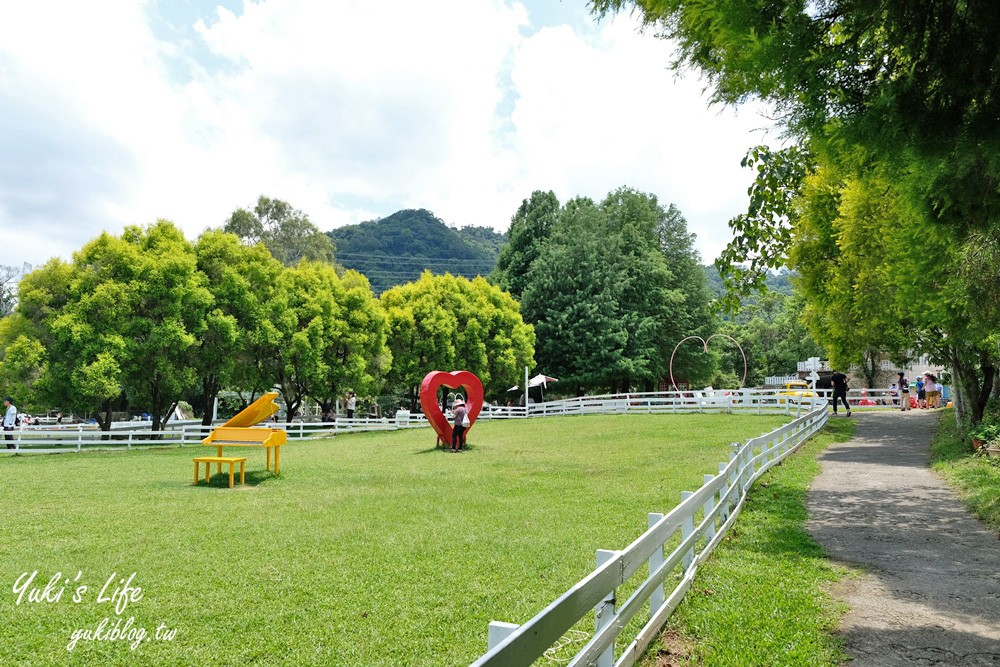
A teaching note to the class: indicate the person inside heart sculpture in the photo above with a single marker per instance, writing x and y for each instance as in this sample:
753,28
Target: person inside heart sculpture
461,416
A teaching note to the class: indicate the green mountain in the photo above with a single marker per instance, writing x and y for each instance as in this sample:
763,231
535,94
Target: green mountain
396,249
777,281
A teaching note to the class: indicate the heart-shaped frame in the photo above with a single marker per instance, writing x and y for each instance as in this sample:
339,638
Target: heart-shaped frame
705,345
434,380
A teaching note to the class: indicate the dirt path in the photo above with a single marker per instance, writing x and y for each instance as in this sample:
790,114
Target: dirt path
930,592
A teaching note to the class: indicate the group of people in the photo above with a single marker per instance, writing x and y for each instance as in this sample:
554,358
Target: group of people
929,391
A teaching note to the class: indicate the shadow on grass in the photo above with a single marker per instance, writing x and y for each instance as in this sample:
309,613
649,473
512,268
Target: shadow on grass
443,450
252,478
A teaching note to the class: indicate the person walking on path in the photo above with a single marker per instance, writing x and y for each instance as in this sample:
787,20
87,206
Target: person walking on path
840,391
9,421
904,391
352,403
929,589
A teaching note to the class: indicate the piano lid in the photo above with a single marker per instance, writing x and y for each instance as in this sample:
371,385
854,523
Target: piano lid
256,412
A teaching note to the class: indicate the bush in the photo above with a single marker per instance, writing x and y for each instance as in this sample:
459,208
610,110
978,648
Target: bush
987,430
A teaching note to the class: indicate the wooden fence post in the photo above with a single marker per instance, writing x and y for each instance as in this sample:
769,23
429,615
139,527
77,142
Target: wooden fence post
687,527
498,632
604,612
708,508
657,597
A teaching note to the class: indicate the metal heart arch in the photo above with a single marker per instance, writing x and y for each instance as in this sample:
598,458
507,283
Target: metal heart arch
705,345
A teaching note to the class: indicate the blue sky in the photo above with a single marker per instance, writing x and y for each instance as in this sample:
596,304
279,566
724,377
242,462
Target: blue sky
122,112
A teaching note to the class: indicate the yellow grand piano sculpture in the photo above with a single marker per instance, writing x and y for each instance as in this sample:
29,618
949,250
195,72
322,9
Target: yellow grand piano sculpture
237,432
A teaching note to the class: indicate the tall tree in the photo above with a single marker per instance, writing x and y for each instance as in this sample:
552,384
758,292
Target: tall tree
241,280
123,318
445,322
330,334
287,232
22,362
607,307
9,277
356,356
530,226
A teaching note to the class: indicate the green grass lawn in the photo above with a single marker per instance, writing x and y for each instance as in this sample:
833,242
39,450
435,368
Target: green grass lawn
371,549
762,598
977,478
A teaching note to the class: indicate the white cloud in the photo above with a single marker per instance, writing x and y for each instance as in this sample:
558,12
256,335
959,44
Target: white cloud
348,110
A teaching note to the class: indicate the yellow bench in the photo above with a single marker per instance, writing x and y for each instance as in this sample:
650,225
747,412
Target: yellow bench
209,460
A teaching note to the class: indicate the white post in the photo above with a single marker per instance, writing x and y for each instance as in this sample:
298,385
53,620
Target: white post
657,597
709,506
215,409
525,391
725,489
604,612
498,632
687,527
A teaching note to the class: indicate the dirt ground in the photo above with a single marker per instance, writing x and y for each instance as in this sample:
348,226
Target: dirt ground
929,592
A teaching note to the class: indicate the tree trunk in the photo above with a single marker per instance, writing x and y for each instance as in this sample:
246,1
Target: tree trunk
209,392
869,367
972,393
104,423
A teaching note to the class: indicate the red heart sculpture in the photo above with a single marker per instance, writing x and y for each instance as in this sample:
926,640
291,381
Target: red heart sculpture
432,410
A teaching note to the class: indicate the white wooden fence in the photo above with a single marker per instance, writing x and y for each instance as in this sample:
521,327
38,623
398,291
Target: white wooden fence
49,439
700,521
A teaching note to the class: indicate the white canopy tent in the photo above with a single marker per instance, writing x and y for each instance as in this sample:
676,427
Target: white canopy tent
537,381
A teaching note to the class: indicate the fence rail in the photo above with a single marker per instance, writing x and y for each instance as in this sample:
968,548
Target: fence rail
50,438
700,520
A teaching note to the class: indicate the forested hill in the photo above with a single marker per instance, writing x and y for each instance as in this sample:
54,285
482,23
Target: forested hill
396,249
777,281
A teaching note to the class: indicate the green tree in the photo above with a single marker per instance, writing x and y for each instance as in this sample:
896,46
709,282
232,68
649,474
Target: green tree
123,318
772,336
286,232
603,300
882,279
572,300
445,322
330,335
168,303
241,280
530,227
357,357
83,373
22,362
693,315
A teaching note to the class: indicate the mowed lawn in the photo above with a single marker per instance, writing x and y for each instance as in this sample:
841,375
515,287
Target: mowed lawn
370,549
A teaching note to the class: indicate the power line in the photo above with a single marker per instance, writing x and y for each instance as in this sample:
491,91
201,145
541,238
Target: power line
360,257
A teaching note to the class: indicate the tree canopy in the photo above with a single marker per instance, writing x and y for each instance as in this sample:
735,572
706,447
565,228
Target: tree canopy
611,290
285,231
895,110
446,322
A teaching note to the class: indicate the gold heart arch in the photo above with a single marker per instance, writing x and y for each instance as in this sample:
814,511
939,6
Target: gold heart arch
705,345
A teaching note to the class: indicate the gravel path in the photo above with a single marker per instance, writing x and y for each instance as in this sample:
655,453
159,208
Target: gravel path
930,589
